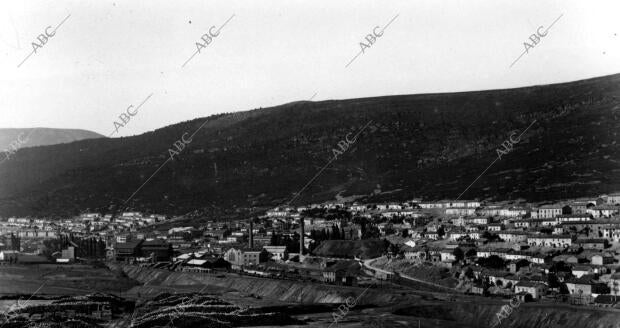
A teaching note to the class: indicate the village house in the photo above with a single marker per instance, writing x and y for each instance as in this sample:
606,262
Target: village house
478,220
604,211
457,235
503,211
159,249
458,222
579,207
611,232
495,227
430,205
539,259
574,217
534,223
358,207
280,212
566,258
431,235
394,206
586,286
551,211
535,289
449,204
515,255
471,228
513,212
613,198
513,236
581,270
550,241
128,250
490,210
499,278
599,244
342,273
602,259
447,255
523,224
415,254
277,253
478,289
460,211
240,257
472,203
614,284
512,279
548,222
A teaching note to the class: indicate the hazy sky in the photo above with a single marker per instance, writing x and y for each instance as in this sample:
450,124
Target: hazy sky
109,55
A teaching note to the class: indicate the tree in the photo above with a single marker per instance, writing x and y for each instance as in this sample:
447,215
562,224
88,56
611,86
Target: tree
389,229
441,232
522,263
552,280
458,254
469,273
546,231
490,237
559,266
493,261
393,249
335,233
371,232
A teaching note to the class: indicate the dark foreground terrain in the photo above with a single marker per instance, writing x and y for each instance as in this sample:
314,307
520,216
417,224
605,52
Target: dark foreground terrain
179,299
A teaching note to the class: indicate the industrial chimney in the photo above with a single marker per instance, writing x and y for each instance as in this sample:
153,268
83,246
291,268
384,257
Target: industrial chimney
252,233
301,236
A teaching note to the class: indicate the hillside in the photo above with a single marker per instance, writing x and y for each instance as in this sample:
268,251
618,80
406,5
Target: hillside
430,145
396,307
363,249
43,136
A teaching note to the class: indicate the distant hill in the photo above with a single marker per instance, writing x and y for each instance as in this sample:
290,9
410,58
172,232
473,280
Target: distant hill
43,136
430,145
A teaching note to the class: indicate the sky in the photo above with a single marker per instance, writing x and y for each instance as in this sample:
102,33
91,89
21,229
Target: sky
109,55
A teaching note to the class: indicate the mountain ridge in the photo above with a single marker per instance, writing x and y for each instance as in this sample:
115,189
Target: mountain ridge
430,145
39,136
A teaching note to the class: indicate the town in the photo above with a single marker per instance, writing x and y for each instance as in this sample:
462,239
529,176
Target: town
566,251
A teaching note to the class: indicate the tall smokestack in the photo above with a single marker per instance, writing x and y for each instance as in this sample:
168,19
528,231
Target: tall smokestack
252,233
301,235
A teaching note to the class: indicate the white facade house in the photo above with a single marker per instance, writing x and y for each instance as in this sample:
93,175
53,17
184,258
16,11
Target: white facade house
613,198
512,236
550,241
549,211
278,253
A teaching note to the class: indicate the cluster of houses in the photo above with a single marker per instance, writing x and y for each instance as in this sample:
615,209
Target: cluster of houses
580,232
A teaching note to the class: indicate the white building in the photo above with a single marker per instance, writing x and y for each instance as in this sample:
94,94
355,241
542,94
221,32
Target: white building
550,241
278,253
549,211
613,199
